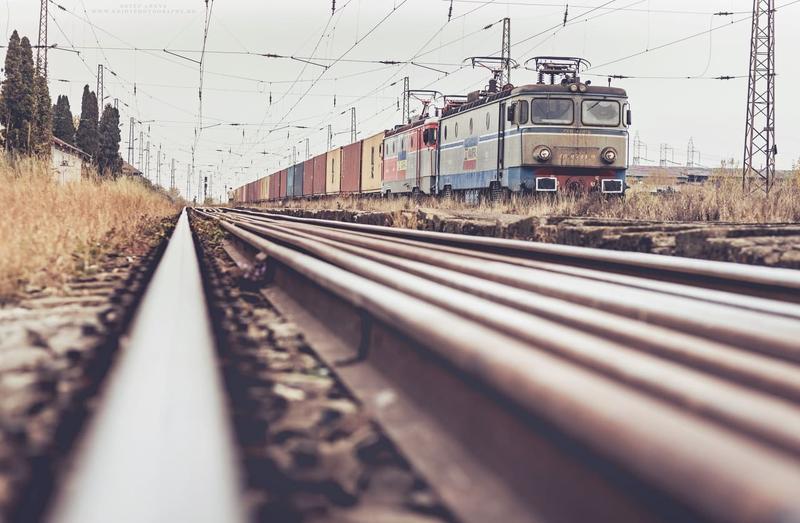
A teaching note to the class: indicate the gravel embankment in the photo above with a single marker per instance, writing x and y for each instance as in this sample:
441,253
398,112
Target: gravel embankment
55,347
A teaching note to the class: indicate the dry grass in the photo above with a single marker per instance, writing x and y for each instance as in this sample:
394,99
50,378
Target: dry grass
49,232
722,201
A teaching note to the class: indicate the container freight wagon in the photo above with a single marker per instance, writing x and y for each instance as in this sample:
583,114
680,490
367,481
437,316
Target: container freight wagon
333,171
308,177
264,189
319,174
372,163
351,168
299,174
284,176
290,181
275,186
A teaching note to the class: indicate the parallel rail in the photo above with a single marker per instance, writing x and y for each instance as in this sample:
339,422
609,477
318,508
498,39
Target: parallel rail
780,284
550,383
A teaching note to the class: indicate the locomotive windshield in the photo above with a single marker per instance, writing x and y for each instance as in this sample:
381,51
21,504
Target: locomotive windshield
552,111
601,112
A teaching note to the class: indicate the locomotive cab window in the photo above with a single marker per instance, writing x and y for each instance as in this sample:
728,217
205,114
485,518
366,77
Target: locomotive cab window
552,111
604,113
522,109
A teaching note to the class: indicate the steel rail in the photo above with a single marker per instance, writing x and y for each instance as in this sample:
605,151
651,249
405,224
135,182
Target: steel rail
771,334
775,421
159,447
744,301
781,284
754,370
589,413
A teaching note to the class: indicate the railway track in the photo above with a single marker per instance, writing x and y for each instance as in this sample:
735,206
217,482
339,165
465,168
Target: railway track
159,447
549,383
524,382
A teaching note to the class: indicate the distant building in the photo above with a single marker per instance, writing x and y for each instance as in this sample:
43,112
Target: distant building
68,161
130,170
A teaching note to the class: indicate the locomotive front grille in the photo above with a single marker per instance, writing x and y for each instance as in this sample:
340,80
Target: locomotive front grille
548,184
612,186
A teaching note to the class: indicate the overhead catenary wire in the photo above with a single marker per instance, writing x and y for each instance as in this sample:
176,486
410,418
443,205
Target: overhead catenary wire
684,38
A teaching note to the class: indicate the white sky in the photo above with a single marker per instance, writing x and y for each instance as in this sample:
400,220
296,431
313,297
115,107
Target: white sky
166,100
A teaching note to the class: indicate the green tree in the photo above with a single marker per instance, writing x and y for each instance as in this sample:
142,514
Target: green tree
41,137
17,97
63,127
109,162
86,137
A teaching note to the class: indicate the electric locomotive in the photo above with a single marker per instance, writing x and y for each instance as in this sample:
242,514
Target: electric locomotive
561,135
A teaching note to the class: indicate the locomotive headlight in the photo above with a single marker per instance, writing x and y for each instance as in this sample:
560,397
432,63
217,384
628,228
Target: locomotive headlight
573,88
609,155
582,88
544,154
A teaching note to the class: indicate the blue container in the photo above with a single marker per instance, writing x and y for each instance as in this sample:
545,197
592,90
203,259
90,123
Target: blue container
290,182
298,180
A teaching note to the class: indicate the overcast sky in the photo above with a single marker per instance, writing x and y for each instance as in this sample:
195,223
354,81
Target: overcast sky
237,86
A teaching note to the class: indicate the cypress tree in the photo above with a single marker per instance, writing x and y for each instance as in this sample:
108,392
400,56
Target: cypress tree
10,88
86,137
28,102
16,97
42,118
109,162
63,127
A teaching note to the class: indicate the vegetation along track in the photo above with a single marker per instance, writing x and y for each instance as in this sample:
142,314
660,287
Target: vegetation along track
528,381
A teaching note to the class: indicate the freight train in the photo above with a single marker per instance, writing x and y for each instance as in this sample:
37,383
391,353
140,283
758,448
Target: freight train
561,135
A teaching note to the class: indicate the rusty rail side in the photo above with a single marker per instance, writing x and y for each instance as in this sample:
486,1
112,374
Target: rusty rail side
508,429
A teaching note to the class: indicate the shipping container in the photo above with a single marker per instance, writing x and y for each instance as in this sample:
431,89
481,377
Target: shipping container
308,177
372,163
351,168
299,172
319,174
274,180
334,170
284,183
290,181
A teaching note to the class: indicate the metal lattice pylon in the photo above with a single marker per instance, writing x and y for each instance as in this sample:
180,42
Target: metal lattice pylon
353,133
759,142
406,102
505,53
41,49
130,142
100,88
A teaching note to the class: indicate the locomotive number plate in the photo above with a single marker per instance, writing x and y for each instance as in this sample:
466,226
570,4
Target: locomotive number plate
575,156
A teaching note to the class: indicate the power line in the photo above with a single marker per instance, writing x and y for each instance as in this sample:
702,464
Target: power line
561,4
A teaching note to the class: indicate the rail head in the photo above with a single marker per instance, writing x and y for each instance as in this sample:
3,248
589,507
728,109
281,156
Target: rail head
159,447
